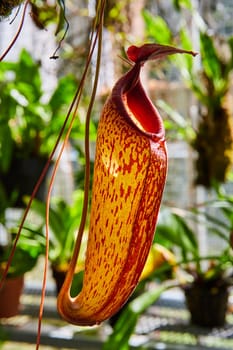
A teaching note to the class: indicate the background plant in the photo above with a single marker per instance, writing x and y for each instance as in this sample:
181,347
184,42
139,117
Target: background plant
175,231
30,247
210,83
29,124
64,222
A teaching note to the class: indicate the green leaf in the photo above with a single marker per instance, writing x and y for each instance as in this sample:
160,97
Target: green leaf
7,66
29,247
230,43
32,241
6,147
182,126
64,220
76,284
188,238
63,94
185,61
199,90
127,321
173,228
178,4
21,263
55,219
27,73
210,60
3,203
156,28
61,16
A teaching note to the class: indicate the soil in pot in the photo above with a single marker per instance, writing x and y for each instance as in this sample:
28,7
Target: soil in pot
207,303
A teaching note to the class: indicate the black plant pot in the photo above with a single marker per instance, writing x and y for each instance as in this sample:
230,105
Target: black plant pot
207,304
59,277
21,179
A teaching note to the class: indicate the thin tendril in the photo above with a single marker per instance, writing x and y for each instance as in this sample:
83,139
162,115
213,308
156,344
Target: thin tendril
17,12
125,60
17,33
54,56
75,100
44,172
36,188
87,168
87,156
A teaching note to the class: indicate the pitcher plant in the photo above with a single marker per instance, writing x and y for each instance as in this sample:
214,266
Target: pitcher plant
128,182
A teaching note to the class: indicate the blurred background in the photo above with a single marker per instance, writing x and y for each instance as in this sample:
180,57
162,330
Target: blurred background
38,80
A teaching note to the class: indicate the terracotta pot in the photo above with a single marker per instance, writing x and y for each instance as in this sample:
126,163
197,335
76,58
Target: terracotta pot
10,296
207,304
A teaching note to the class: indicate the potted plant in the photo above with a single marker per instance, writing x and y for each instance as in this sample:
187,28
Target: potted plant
210,81
30,246
29,126
213,142
206,288
204,278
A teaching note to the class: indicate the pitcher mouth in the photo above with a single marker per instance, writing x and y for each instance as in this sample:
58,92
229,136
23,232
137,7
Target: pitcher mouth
130,97
134,104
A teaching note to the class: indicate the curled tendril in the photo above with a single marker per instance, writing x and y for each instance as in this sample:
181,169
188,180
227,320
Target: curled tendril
69,120
62,18
17,33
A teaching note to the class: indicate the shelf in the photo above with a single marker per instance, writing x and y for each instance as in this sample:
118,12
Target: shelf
165,326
